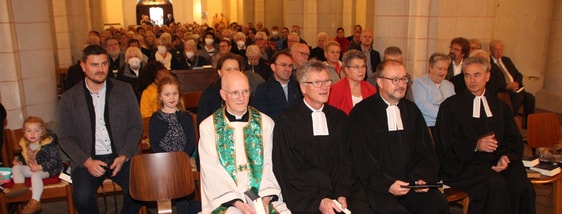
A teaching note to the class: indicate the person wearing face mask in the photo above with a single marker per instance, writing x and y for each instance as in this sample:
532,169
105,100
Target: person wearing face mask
209,49
275,34
239,44
189,59
162,55
131,70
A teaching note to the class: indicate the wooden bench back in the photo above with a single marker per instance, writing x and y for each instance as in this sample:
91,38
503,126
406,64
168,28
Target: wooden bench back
10,146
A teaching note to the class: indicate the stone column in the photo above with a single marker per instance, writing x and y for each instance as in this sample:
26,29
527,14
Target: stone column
79,23
348,19
27,80
329,17
274,11
309,27
550,96
62,34
403,23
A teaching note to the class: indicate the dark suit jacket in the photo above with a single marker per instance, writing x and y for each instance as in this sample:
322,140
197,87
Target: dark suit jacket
318,54
450,72
77,125
262,68
458,81
241,52
286,45
181,62
73,76
497,78
270,98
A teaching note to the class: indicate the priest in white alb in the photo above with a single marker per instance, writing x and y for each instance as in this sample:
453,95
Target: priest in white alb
235,152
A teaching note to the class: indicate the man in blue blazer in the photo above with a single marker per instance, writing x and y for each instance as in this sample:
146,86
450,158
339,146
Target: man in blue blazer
280,92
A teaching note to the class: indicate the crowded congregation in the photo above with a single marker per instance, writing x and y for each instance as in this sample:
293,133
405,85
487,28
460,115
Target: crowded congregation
273,121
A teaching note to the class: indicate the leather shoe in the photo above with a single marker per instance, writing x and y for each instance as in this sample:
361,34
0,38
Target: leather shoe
32,206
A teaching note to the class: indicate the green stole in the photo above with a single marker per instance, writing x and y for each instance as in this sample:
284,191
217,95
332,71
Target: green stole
253,143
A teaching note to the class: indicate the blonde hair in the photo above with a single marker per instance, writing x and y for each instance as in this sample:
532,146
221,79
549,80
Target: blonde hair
38,121
133,51
253,50
322,34
330,44
170,80
166,39
260,35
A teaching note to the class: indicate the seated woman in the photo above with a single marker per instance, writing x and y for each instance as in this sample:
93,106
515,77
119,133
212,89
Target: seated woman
256,64
189,59
130,72
332,52
432,89
352,88
209,48
162,55
318,52
151,74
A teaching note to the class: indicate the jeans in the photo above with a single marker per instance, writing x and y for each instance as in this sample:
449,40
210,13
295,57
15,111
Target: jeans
85,188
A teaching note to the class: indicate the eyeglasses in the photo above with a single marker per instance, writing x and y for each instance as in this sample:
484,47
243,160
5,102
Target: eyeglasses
357,67
303,53
319,83
236,94
397,80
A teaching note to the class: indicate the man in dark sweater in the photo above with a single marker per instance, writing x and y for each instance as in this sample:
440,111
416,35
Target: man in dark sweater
100,127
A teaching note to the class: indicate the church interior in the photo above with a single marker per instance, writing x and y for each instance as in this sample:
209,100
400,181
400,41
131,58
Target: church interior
41,39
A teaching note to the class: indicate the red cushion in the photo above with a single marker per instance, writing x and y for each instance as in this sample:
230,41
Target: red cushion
50,180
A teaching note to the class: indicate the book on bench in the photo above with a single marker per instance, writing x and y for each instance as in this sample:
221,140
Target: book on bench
65,175
533,174
529,161
547,168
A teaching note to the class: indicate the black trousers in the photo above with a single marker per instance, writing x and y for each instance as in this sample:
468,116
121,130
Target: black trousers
85,188
509,191
431,202
523,98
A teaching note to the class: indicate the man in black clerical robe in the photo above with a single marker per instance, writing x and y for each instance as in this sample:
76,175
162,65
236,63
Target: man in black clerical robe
311,159
480,147
391,148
